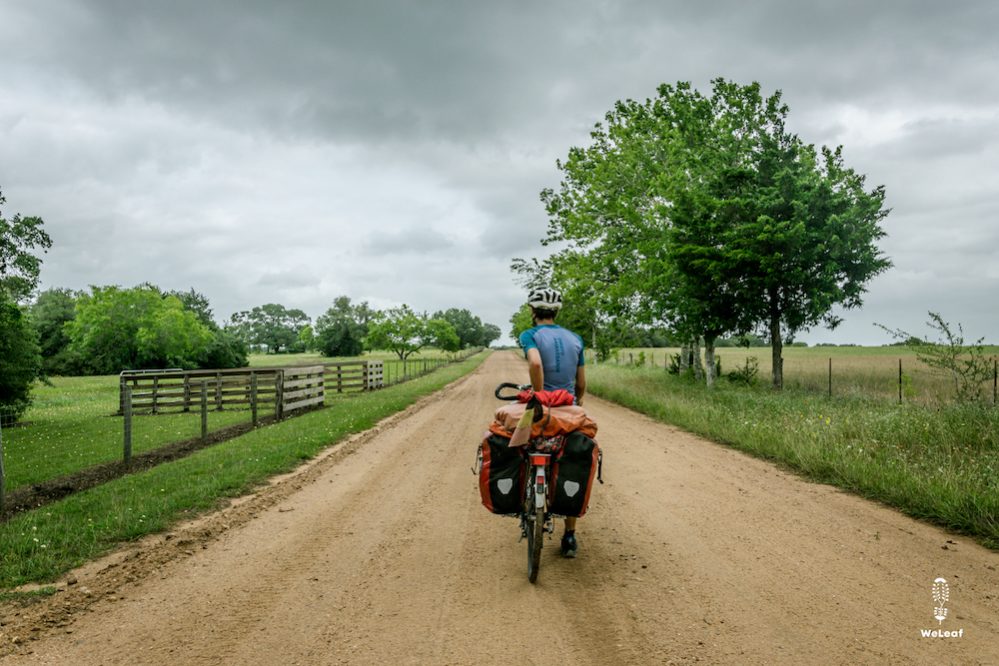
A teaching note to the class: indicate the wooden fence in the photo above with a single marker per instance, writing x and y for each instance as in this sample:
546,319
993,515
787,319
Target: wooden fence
301,388
283,389
180,390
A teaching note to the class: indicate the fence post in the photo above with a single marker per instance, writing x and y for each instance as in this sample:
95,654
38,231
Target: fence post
156,393
995,380
3,477
218,391
900,381
204,409
128,424
279,395
253,397
339,378
187,393
830,376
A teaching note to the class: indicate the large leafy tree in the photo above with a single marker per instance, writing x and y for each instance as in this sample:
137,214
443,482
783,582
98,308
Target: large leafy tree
466,325
52,310
225,350
404,332
490,334
117,329
706,214
272,325
20,360
340,331
21,238
197,303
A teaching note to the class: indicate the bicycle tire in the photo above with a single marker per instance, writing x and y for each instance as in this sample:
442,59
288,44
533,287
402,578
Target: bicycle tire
535,539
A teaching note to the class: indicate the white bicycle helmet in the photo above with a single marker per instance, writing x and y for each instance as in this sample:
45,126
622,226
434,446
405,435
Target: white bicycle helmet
546,299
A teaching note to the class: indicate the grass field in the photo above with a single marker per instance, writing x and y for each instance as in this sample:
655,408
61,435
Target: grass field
939,463
41,544
72,424
856,371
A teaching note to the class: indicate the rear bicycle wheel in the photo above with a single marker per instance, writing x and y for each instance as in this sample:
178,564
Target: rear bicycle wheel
535,539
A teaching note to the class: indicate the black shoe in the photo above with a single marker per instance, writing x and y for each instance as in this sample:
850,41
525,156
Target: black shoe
569,545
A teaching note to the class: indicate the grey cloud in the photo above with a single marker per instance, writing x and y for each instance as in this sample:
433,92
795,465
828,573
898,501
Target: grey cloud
397,149
411,241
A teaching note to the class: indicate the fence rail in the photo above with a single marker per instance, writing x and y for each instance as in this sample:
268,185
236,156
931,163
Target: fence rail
156,392
174,390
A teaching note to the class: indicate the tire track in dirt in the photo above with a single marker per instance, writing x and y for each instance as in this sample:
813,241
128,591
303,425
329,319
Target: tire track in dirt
380,552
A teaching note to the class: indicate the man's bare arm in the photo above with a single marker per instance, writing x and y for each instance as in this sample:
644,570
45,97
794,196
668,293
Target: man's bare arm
535,369
580,384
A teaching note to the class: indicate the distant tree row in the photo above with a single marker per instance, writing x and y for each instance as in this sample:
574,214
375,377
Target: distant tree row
108,329
347,329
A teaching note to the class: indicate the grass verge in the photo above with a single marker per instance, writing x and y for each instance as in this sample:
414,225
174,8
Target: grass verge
936,464
40,545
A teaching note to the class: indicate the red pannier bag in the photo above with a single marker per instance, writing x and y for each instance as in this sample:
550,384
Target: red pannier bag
502,474
573,471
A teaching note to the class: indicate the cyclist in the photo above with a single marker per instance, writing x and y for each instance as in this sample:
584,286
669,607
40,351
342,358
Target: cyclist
555,361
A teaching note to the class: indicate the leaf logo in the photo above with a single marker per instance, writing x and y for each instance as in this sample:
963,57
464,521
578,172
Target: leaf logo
941,594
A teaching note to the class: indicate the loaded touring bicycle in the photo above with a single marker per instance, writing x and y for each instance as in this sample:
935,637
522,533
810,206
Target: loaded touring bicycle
538,462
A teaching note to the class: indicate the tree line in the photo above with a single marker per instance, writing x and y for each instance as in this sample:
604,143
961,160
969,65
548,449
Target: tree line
705,216
107,329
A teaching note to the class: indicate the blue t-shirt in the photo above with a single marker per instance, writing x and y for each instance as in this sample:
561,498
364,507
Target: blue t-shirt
561,353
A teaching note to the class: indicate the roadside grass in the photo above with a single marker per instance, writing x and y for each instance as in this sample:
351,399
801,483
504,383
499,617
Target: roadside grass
939,464
40,545
28,596
856,371
71,425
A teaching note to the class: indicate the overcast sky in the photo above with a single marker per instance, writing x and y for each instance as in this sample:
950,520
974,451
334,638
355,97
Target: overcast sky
291,152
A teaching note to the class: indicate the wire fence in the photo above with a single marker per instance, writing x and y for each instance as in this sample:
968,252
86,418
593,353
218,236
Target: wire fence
877,373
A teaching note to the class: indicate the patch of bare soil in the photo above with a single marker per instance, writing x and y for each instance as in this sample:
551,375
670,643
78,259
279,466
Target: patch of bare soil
380,552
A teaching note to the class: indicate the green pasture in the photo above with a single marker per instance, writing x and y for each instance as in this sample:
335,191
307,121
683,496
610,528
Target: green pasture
42,544
73,423
939,463
856,371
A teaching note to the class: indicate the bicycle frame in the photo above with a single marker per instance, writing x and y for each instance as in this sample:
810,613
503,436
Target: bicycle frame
539,478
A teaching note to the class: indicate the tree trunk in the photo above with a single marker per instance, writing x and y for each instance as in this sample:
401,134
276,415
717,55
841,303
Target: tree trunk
684,357
695,359
709,360
776,344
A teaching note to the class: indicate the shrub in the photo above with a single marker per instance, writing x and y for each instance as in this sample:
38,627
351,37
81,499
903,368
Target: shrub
20,360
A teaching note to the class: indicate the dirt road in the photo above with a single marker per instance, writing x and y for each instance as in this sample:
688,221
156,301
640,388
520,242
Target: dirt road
381,553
